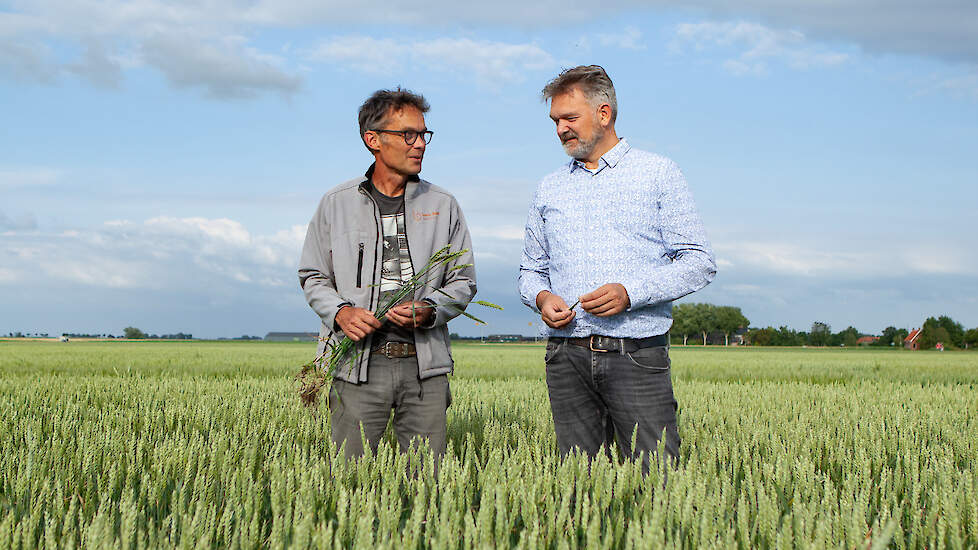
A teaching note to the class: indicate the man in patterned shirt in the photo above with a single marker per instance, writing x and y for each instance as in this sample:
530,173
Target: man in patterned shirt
366,239
616,231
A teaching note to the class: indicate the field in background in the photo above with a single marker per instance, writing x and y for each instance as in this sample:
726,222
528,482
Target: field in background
204,444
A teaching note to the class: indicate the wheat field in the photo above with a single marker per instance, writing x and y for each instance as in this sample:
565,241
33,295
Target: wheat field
205,445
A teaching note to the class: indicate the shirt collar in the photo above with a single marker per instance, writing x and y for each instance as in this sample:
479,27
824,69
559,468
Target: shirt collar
610,158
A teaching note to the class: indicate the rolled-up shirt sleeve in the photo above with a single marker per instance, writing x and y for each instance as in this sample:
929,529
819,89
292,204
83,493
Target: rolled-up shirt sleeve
535,263
691,263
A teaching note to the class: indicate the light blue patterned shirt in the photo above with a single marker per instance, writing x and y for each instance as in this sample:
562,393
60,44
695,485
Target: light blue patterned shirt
632,221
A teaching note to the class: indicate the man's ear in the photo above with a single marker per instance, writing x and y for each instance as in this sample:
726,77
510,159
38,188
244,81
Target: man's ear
604,114
372,140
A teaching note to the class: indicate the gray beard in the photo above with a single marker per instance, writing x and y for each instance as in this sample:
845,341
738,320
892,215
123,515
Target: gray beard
583,148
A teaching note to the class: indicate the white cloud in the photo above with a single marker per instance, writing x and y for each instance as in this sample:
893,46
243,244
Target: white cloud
944,29
194,46
629,39
757,46
502,232
225,67
98,66
962,85
8,276
18,222
160,253
27,60
491,63
882,261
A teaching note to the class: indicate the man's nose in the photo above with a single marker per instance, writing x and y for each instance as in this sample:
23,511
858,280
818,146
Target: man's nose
562,127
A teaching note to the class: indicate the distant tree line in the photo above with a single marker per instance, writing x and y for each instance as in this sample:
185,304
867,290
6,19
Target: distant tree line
941,329
820,334
703,323
134,333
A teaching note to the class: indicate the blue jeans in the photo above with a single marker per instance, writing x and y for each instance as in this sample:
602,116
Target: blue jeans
599,397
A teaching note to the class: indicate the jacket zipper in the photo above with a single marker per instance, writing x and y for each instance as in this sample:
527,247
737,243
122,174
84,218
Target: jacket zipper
360,267
407,239
373,281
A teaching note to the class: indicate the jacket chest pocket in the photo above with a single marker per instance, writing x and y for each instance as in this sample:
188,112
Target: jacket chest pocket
360,266
352,259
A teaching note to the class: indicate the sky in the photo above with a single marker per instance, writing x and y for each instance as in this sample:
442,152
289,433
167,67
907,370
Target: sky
159,161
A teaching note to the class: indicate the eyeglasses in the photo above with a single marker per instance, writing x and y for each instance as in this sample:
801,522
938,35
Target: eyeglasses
410,136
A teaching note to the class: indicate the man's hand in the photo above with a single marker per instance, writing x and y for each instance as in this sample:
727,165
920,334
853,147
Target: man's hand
356,322
607,300
554,310
410,314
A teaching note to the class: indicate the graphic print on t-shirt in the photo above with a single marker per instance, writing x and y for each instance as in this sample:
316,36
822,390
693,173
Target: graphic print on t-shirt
397,267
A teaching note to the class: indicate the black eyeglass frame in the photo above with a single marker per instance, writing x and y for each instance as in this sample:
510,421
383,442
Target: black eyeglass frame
428,134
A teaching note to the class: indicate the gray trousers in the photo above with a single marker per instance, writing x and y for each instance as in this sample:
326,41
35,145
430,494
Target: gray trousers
599,397
419,406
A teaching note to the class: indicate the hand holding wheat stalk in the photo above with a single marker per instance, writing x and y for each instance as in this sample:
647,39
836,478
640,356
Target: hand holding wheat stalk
318,373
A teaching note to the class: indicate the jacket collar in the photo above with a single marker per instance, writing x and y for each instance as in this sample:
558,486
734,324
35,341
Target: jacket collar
368,177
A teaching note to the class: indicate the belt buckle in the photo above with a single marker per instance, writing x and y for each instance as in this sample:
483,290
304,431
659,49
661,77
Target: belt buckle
387,349
590,345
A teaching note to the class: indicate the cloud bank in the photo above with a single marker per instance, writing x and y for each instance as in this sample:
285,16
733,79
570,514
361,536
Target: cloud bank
211,46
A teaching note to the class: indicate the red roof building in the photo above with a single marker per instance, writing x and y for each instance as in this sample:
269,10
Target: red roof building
911,341
867,340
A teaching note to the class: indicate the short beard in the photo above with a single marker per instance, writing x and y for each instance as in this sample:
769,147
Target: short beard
583,149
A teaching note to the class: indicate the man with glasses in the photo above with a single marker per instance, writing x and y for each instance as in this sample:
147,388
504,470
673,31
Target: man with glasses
614,232
368,236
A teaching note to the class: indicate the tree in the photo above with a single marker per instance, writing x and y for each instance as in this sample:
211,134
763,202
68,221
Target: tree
789,337
820,334
931,337
955,331
682,322
704,319
933,333
728,320
971,338
847,337
133,333
891,336
762,336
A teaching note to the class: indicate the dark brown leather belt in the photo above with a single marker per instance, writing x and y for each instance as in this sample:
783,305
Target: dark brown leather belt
621,345
396,350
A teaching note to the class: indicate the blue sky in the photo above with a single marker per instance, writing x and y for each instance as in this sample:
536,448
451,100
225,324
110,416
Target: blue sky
159,160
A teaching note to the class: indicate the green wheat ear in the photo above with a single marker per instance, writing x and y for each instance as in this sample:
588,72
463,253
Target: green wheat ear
488,304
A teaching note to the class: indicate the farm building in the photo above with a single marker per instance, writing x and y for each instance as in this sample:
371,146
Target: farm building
911,341
867,340
292,337
504,338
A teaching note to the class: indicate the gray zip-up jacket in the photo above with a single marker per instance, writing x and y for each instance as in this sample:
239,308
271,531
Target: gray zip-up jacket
342,259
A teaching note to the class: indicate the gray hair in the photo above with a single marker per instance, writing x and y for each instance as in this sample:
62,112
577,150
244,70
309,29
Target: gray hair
374,111
591,80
